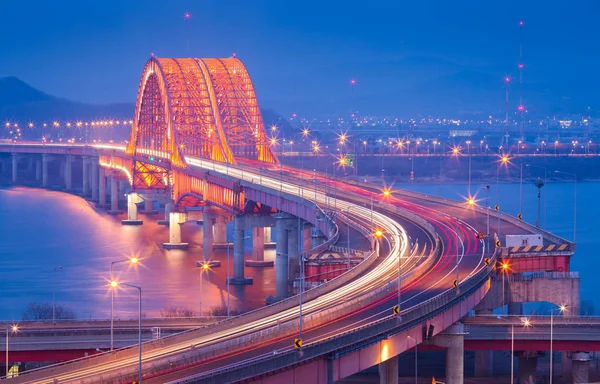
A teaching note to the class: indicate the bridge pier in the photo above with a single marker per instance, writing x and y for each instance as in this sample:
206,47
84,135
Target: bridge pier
317,237
527,366
207,235
38,170
388,371
281,259
258,248
68,173
15,165
45,160
101,187
95,178
85,164
453,340
306,237
580,367
293,248
484,360
114,196
148,209
132,210
268,236
238,253
220,230
168,210
176,219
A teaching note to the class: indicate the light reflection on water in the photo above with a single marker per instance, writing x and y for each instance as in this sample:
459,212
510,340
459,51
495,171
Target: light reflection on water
41,230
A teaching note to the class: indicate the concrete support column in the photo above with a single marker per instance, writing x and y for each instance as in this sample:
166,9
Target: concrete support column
176,219
148,207
114,196
101,186
38,170
484,360
168,210
388,371
94,172
281,260
29,165
122,187
68,173
453,340
61,169
581,367
220,230
317,238
268,236
293,248
207,236
45,161
527,368
15,163
238,253
85,175
132,210
258,249
306,238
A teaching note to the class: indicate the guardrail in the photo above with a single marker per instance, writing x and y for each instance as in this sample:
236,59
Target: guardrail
538,275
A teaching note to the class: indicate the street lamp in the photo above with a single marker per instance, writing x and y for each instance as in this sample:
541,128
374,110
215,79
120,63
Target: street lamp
416,355
12,329
539,184
526,323
561,309
204,267
59,268
505,267
113,283
574,203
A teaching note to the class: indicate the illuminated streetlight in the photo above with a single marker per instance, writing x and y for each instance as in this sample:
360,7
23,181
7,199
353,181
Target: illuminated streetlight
386,192
114,284
378,233
13,329
471,201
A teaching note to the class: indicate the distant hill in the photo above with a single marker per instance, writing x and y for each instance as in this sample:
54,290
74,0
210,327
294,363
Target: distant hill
22,103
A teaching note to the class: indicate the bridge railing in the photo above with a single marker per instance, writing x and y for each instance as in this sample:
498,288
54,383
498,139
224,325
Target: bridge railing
538,275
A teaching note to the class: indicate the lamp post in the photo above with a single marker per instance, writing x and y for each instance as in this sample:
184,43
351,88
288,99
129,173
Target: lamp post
133,261
574,203
561,309
12,329
526,323
114,284
204,267
416,356
539,184
505,267
59,268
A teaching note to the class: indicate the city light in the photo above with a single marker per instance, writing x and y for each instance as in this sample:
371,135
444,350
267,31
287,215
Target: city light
471,201
505,266
114,284
305,132
378,233
386,192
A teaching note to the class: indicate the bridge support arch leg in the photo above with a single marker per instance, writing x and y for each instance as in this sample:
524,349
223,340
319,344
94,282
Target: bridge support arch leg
388,371
176,219
238,254
581,367
132,210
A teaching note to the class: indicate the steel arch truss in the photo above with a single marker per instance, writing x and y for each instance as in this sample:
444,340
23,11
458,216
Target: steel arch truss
201,108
